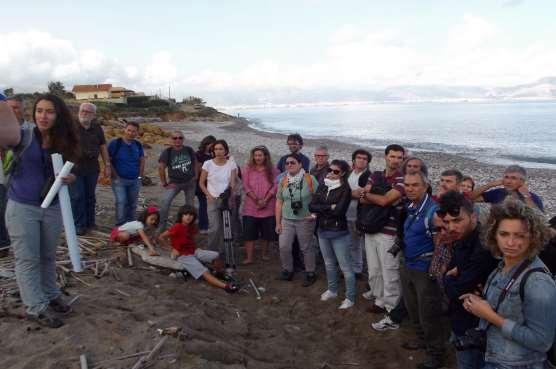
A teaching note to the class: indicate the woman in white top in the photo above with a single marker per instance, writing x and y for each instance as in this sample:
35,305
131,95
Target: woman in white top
217,175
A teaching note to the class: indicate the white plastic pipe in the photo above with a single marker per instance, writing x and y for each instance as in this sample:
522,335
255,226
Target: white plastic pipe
63,171
67,214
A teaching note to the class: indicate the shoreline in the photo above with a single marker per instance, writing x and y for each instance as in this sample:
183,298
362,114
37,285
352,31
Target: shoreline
241,138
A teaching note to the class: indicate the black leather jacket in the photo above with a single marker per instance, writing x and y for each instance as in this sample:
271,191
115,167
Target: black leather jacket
321,202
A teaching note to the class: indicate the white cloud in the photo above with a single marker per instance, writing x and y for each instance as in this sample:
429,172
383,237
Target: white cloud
473,52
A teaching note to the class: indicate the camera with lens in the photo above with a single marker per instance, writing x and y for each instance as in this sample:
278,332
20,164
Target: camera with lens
473,338
296,206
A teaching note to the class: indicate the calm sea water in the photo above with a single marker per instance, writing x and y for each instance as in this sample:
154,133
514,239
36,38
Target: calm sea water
501,132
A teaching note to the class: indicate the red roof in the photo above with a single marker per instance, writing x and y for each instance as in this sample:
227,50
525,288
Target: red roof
92,88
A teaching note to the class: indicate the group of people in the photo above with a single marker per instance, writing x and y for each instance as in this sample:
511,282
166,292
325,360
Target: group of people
486,288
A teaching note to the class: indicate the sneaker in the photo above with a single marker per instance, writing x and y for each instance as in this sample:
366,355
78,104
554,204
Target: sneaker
385,324
309,279
203,231
47,318
346,304
368,295
327,295
285,276
59,306
231,287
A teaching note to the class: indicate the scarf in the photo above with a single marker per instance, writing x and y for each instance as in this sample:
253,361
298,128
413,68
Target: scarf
294,180
332,184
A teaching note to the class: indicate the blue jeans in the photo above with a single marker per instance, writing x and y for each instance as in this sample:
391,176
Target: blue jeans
338,251
35,234
126,192
4,238
83,200
470,359
203,217
500,366
170,192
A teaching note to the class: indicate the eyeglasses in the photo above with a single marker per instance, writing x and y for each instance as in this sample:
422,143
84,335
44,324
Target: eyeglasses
291,163
335,171
177,138
321,156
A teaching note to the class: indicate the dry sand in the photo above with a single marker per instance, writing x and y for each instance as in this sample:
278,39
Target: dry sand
288,328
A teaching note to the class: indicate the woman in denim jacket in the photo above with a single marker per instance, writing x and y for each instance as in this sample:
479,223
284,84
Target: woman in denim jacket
521,330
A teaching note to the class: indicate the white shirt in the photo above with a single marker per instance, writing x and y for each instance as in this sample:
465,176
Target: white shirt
131,227
353,181
218,176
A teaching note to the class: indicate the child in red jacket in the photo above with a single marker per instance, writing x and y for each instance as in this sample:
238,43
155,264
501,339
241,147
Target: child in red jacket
182,239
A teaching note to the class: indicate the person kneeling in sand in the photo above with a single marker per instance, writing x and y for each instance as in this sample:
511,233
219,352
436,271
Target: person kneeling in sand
182,239
138,230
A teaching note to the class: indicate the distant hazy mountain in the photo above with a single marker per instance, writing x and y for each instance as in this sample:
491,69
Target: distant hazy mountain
542,89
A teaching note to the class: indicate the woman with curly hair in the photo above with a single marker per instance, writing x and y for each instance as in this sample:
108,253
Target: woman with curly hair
517,308
35,232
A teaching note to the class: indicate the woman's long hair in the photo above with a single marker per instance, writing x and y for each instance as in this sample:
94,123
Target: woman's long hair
267,161
62,136
206,142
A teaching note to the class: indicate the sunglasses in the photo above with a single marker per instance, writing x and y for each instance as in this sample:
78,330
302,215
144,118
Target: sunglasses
291,163
335,171
453,212
177,138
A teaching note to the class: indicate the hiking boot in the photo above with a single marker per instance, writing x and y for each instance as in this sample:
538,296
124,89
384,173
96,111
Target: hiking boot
346,304
309,279
431,362
414,345
285,276
385,324
375,309
231,287
328,295
47,319
59,306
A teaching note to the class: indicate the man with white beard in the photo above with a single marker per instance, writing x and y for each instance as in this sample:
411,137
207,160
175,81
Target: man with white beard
86,170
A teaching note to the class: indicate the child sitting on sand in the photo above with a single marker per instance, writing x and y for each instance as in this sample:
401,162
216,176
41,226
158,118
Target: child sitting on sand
138,230
182,237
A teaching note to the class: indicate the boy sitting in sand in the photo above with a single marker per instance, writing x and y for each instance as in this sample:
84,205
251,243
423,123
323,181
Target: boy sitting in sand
138,230
182,239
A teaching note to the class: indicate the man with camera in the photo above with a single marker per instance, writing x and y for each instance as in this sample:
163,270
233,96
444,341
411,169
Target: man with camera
82,191
468,270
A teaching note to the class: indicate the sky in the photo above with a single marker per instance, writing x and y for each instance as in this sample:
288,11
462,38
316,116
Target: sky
221,50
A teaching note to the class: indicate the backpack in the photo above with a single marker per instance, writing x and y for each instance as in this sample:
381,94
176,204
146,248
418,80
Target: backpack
372,218
308,180
119,142
551,353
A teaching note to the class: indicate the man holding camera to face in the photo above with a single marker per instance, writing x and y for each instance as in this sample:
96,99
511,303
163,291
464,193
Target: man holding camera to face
468,270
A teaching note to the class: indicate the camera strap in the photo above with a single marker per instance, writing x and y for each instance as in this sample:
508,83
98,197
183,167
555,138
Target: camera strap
508,285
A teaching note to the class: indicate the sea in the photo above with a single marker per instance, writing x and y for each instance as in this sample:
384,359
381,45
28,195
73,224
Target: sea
522,132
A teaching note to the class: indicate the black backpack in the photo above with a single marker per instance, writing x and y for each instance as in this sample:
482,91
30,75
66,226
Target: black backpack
372,218
551,353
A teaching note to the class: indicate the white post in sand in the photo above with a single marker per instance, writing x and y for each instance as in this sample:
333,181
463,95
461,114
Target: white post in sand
62,170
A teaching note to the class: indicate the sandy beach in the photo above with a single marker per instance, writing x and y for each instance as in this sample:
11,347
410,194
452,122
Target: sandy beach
118,314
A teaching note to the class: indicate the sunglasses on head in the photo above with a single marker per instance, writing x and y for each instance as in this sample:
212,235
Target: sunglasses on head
177,138
335,171
291,163
453,212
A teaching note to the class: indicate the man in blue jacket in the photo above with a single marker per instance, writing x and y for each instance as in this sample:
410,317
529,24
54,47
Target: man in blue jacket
468,270
420,291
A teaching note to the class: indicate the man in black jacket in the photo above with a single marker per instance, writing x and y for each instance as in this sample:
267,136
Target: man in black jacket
469,268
